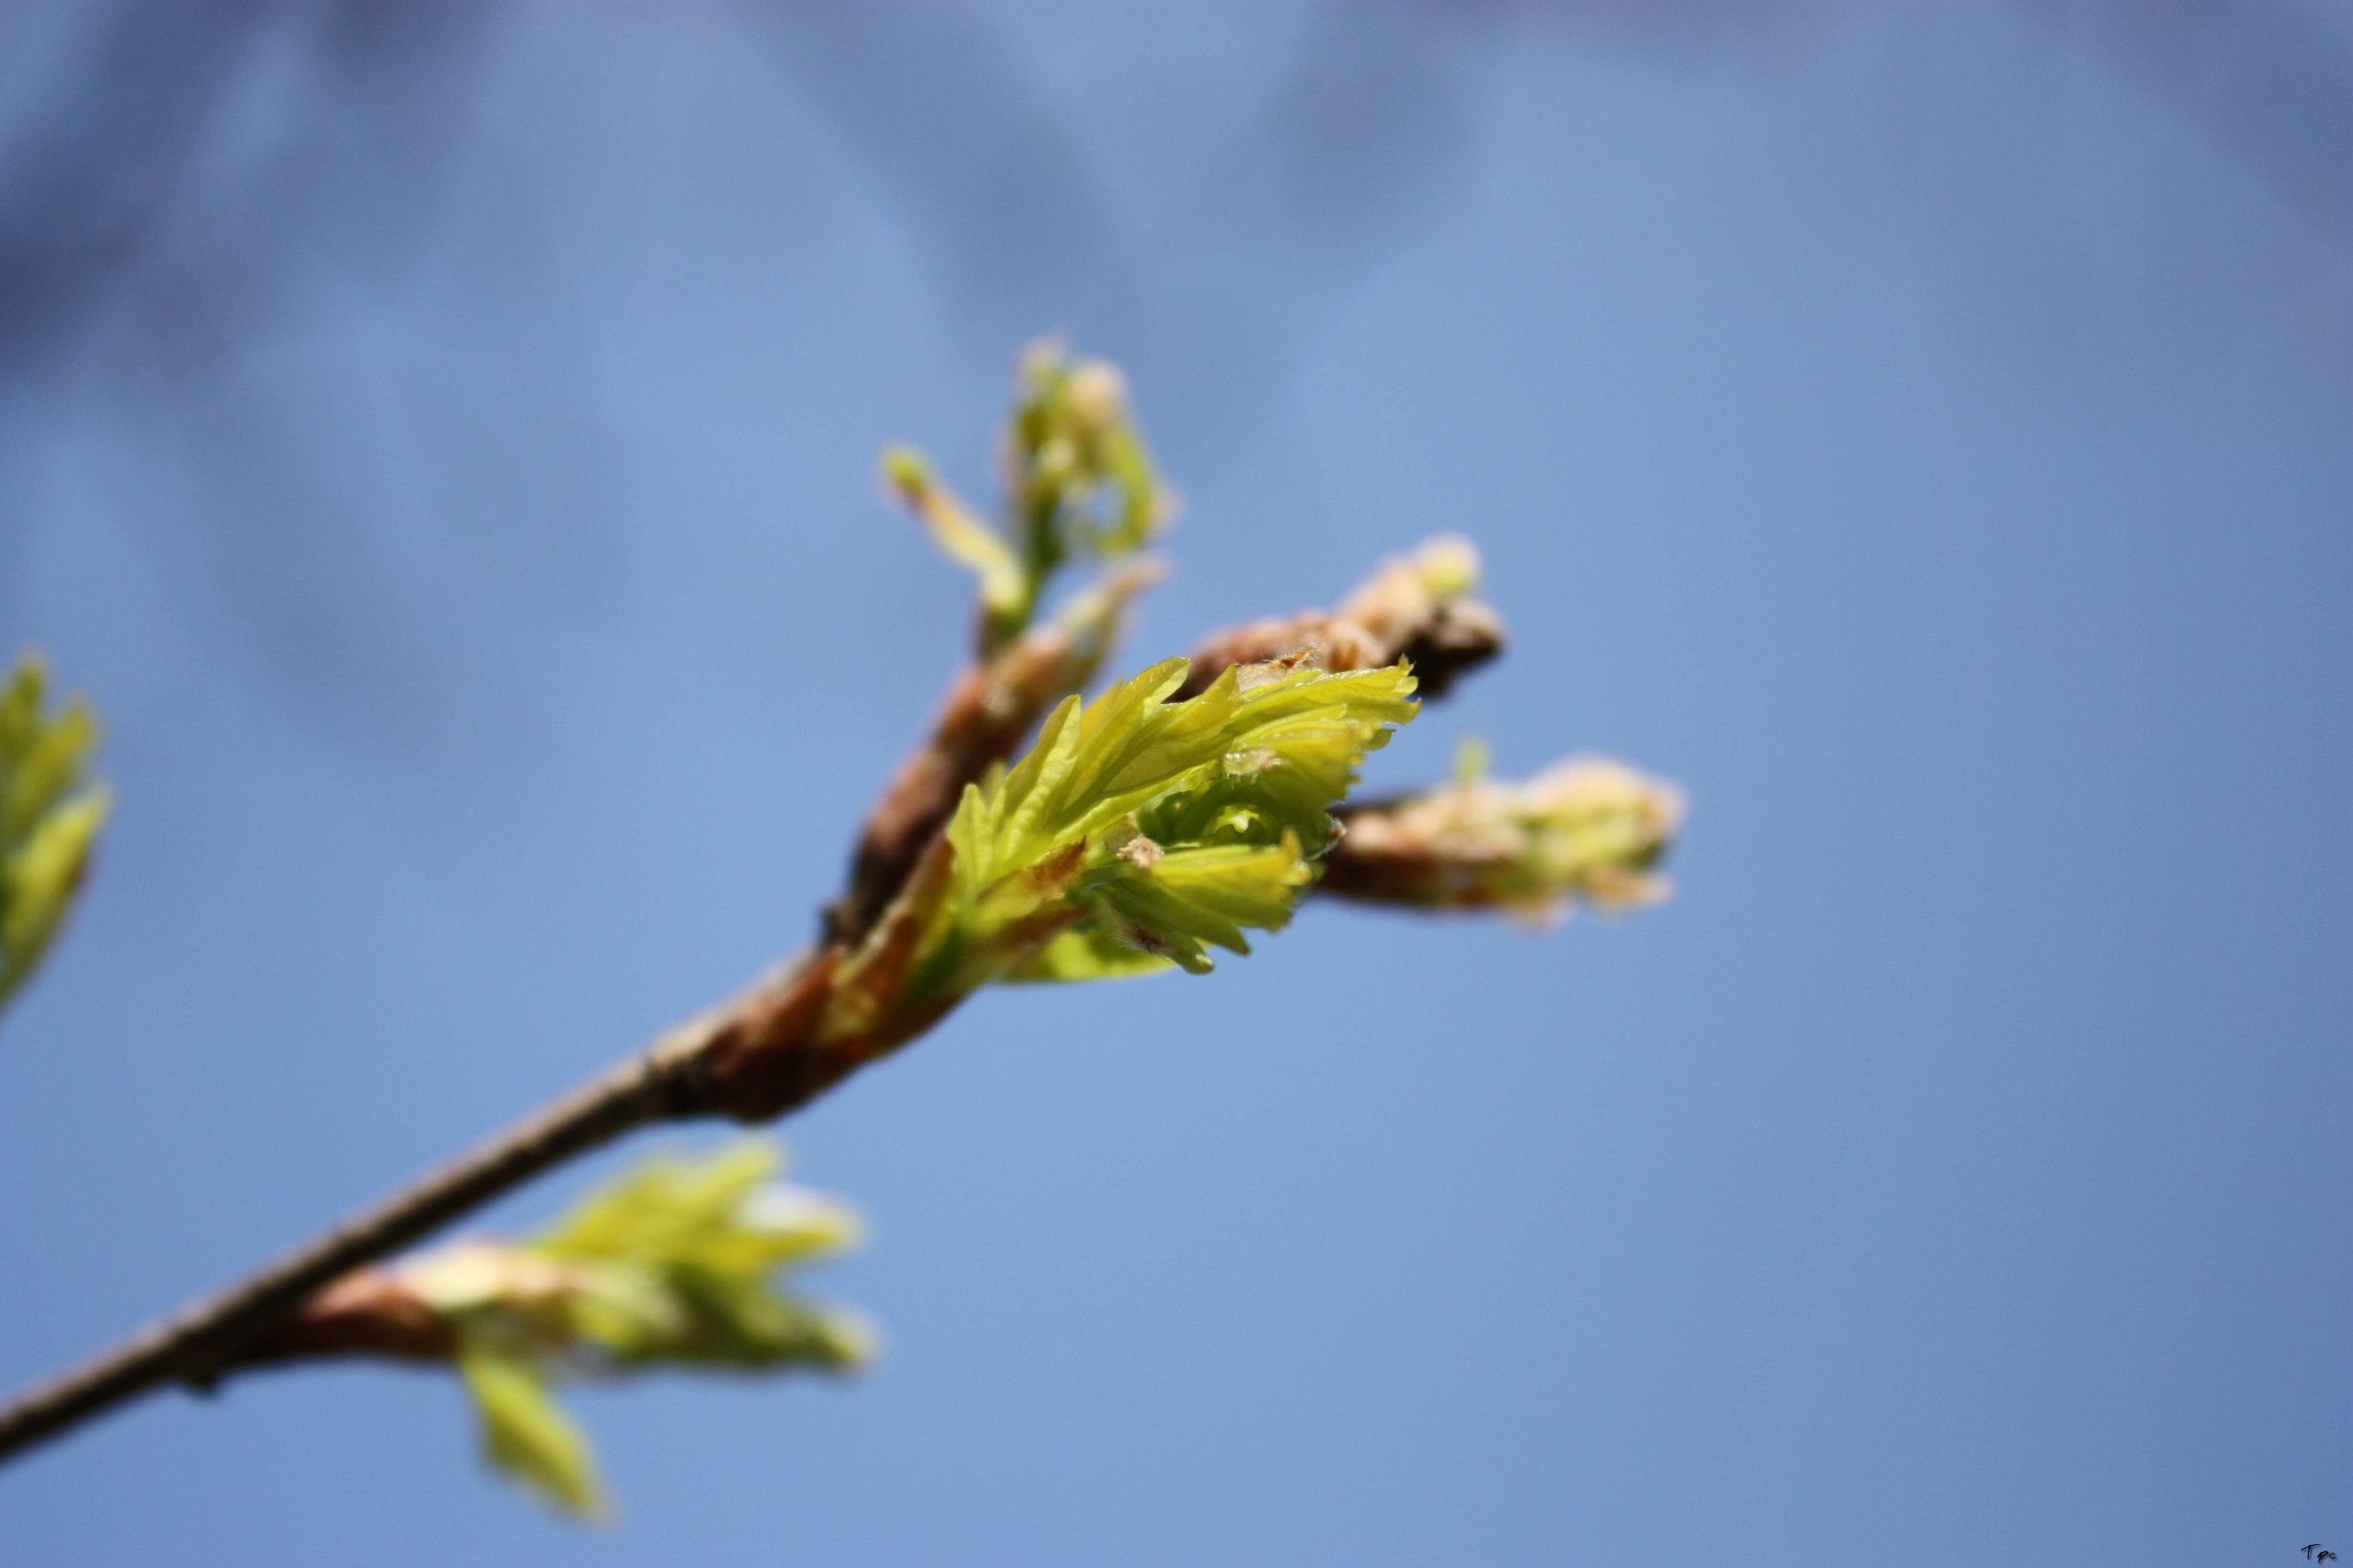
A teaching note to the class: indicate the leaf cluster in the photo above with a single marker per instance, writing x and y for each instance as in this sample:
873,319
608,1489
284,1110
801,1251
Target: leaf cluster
1140,831
1077,478
680,1262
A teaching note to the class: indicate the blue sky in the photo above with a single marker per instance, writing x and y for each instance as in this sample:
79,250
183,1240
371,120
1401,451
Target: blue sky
441,440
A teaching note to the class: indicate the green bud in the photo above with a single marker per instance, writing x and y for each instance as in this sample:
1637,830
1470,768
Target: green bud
1097,395
1586,830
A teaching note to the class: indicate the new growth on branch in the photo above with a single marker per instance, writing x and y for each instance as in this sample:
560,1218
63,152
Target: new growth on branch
1032,836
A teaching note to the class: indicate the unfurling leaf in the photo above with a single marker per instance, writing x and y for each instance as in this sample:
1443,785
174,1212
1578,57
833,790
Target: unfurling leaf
1137,830
50,813
1177,904
965,539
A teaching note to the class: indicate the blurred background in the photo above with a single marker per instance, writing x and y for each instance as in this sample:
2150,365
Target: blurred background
440,436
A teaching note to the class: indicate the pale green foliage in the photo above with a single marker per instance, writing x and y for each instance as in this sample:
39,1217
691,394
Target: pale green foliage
1078,479
1138,828
1080,473
525,1433
1006,589
682,1257
50,813
681,1262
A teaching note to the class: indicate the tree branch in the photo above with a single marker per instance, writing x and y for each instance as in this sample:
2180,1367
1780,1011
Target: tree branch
1418,606
199,1343
703,1067
758,1057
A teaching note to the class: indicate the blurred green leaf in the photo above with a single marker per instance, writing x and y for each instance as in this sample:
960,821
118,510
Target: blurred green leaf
677,1262
1006,592
1078,480
1081,476
50,813
682,1262
526,1436
1586,830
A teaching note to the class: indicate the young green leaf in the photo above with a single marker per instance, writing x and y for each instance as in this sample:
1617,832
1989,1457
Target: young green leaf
678,1262
525,1435
50,813
1138,829
1177,904
1005,588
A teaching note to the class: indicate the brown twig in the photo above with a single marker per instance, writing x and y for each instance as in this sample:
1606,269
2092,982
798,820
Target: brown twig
197,1343
701,1069
374,1312
756,1058
1418,606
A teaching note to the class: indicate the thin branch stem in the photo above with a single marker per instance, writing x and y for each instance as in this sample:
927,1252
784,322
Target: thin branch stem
199,1343
754,1058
